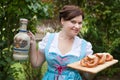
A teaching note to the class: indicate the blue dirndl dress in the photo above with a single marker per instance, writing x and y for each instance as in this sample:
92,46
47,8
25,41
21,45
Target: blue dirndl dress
57,64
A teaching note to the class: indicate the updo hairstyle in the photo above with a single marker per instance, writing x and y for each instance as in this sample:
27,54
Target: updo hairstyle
70,11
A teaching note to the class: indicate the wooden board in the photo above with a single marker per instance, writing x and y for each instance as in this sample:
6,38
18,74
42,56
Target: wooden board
76,65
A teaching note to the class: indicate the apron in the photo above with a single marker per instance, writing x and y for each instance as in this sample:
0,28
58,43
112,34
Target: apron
57,64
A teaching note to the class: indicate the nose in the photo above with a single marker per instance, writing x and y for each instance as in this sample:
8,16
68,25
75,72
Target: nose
77,25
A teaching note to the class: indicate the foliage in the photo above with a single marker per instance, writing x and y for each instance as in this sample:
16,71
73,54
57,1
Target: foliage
115,49
10,13
5,70
101,25
103,28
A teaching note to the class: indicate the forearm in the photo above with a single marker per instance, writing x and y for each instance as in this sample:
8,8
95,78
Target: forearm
33,53
36,57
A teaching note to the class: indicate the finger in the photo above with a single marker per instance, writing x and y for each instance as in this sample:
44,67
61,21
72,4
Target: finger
32,36
29,33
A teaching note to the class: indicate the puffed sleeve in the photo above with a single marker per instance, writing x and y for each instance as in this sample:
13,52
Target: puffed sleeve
42,44
89,50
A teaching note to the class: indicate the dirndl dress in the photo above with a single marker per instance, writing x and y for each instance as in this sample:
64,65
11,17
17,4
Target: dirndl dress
57,64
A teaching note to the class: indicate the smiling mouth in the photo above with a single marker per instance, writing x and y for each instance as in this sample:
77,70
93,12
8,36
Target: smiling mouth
76,31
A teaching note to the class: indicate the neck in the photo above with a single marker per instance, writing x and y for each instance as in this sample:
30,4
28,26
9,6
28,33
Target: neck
65,36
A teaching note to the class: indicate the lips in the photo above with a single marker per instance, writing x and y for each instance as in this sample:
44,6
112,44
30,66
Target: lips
75,30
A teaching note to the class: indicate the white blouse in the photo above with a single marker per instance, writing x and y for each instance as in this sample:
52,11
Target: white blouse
76,48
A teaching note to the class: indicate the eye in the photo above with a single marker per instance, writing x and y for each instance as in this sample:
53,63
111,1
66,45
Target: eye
74,22
80,23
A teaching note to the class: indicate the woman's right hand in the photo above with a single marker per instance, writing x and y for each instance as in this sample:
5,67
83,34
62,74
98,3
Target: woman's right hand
32,37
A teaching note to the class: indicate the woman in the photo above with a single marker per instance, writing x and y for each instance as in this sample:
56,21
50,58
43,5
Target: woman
62,48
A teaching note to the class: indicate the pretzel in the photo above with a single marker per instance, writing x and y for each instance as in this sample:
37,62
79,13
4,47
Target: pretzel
96,59
109,57
93,61
84,61
89,61
102,58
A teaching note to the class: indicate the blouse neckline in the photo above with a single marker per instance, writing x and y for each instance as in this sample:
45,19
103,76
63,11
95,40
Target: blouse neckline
59,52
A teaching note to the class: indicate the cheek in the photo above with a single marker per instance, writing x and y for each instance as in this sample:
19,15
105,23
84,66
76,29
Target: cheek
81,26
68,25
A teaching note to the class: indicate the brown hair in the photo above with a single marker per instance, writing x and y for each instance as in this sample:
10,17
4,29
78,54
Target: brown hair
70,11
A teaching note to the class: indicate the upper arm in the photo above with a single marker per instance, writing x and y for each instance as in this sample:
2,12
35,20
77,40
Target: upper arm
42,44
89,50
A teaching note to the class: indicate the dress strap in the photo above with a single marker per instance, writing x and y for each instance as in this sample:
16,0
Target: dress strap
83,49
50,39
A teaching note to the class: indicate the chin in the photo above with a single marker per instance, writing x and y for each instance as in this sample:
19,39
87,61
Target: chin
75,34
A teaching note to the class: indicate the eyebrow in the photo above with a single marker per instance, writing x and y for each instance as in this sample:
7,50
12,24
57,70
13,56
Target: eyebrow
76,21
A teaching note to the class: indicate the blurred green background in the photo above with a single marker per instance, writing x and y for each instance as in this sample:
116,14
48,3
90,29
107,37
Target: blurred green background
101,27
